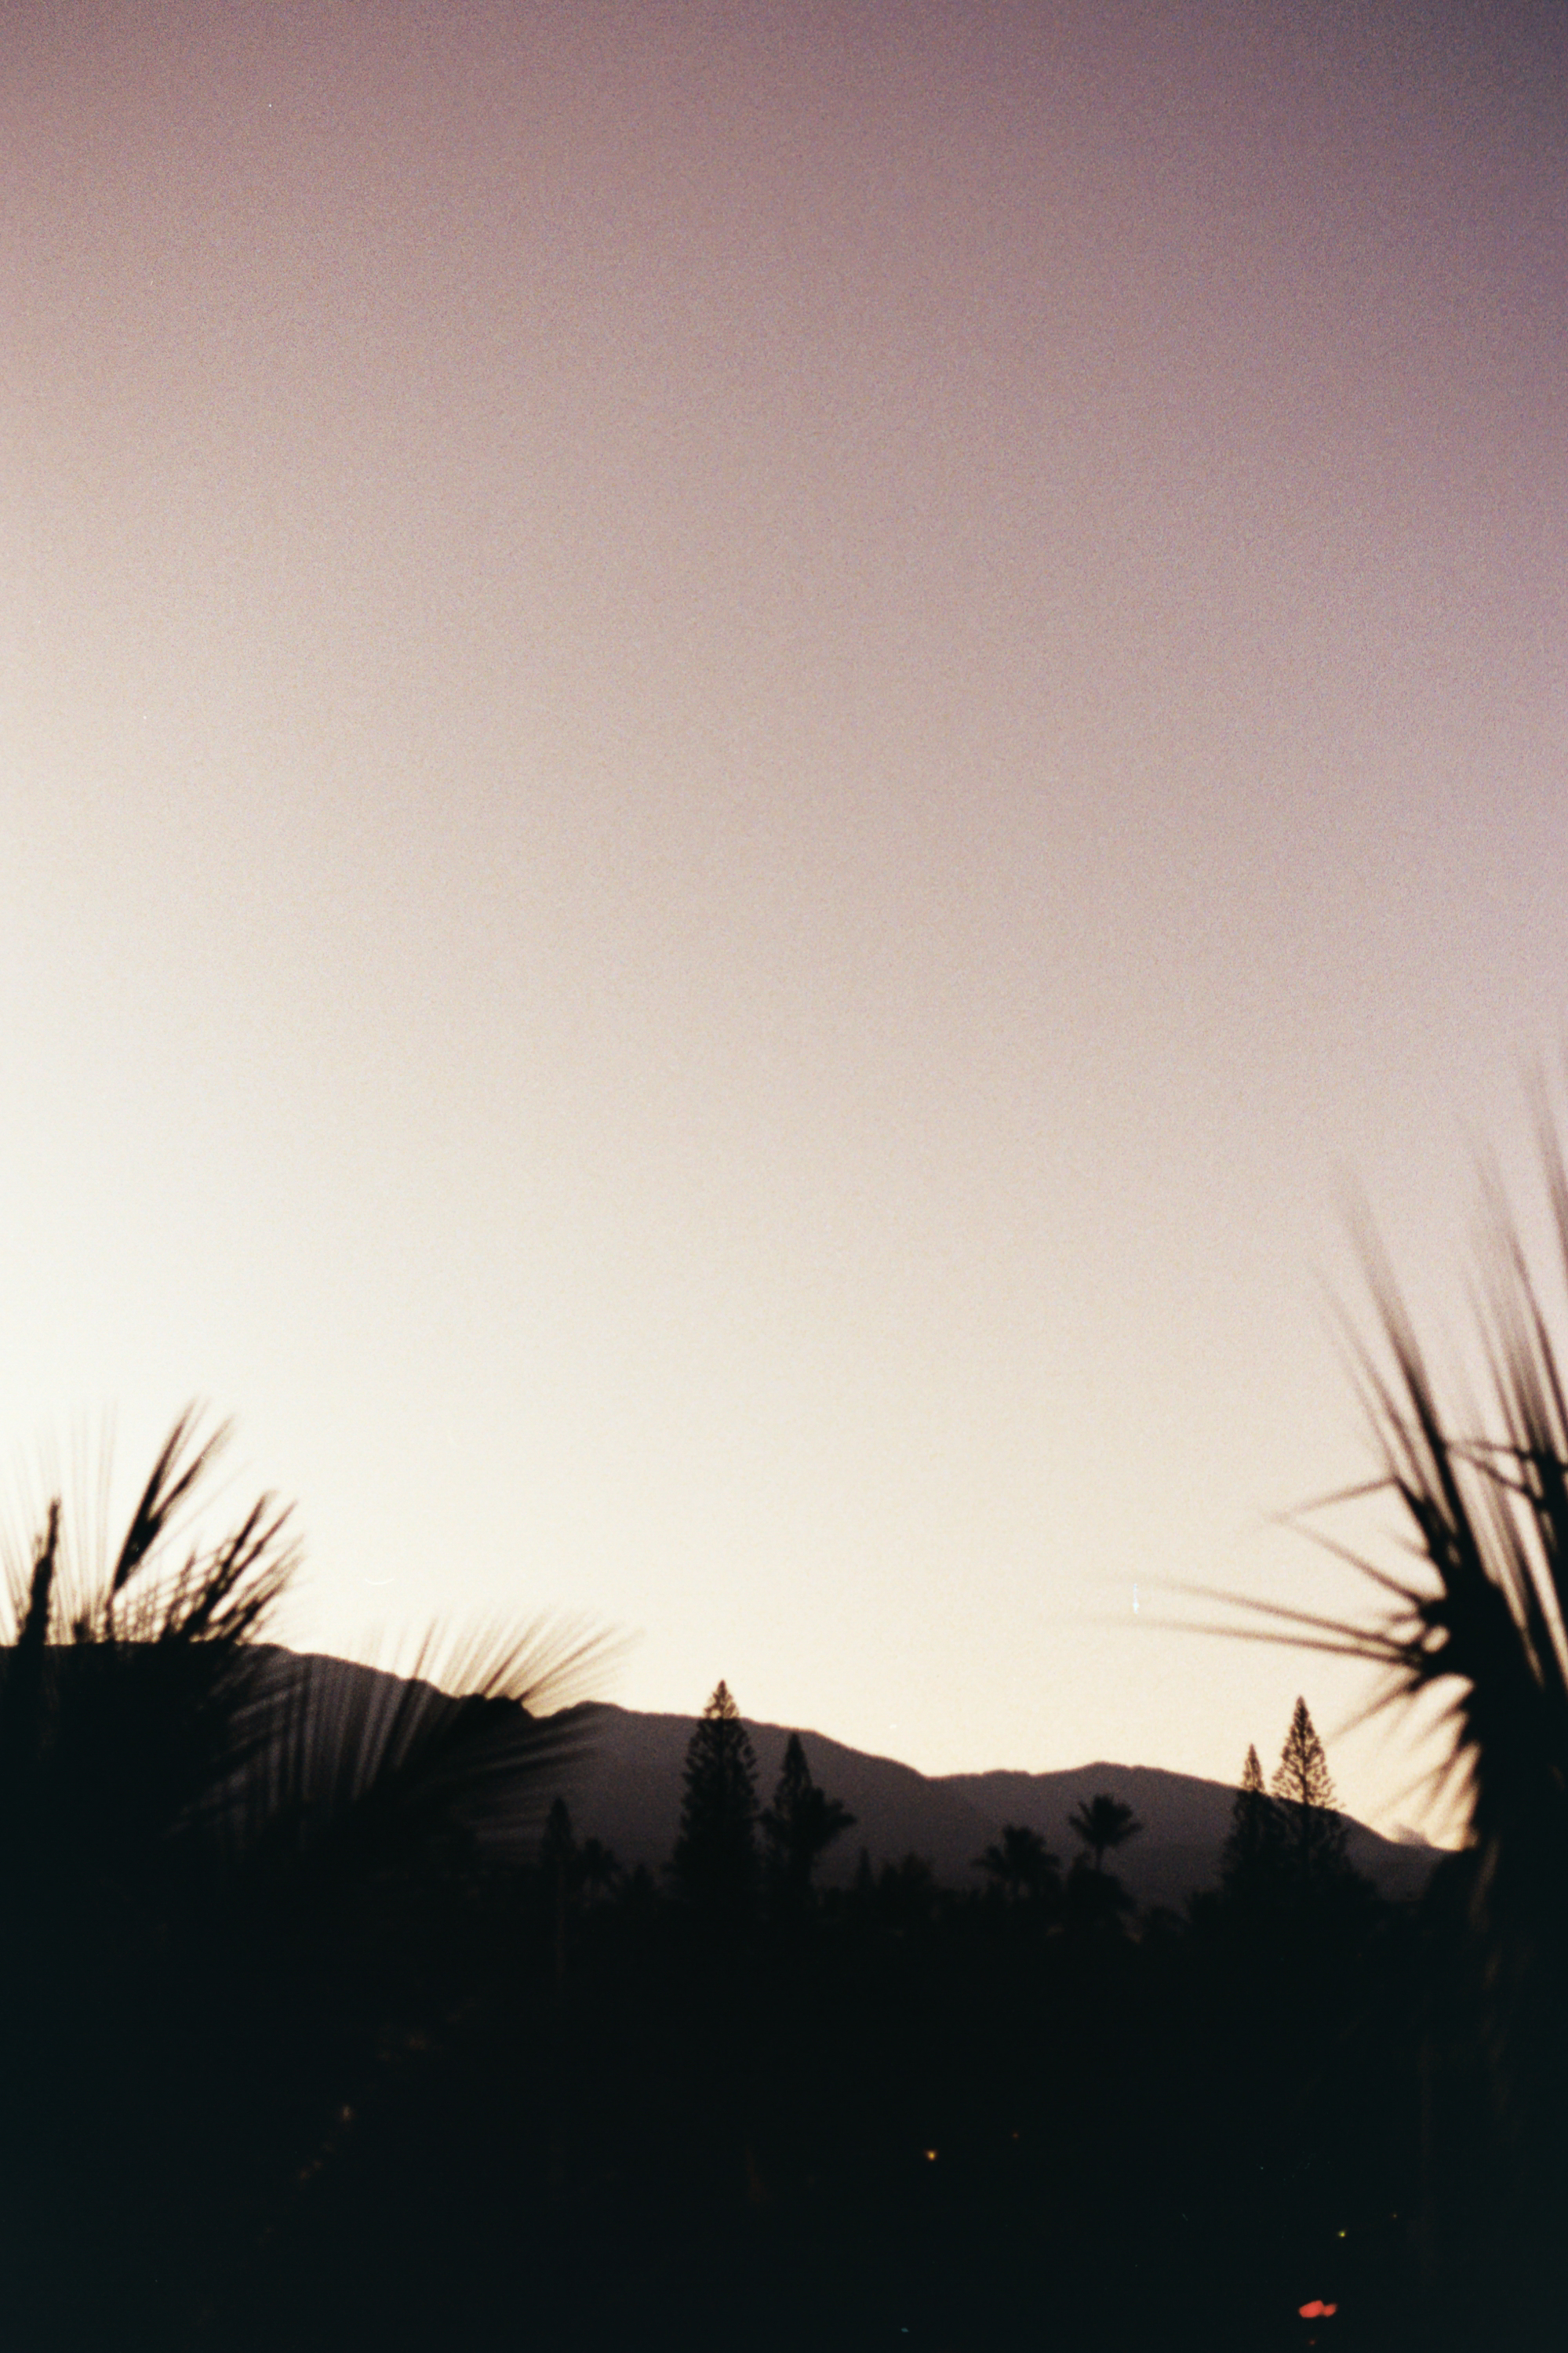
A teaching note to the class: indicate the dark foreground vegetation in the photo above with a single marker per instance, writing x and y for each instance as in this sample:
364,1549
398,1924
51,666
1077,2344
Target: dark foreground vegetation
317,2030
304,2049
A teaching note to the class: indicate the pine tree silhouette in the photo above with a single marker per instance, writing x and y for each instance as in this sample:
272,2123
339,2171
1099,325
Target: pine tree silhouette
715,1862
1315,1835
799,1825
1249,1866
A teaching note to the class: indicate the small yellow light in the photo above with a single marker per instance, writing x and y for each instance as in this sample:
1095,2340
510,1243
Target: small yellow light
930,2157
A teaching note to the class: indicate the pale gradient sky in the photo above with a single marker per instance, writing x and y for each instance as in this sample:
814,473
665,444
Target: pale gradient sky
741,746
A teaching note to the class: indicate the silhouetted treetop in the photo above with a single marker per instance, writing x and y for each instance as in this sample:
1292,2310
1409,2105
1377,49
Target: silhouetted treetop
1020,1863
1104,1822
1249,1864
1301,1776
715,1859
1302,1785
800,1825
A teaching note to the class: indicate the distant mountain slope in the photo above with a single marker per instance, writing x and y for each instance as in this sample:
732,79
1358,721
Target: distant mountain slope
626,1786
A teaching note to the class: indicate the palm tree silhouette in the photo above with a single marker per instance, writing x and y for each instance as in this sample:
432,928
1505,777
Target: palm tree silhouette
1102,1823
207,1834
1021,1863
1487,1511
1483,1492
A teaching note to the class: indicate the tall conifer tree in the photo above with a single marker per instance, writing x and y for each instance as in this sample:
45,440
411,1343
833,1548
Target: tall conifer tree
1249,1867
1315,1834
800,1825
715,1853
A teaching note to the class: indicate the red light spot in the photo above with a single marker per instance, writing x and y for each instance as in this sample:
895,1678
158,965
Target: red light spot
1317,2309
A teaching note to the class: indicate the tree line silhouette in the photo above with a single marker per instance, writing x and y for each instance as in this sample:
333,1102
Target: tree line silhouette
939,2100
320,2025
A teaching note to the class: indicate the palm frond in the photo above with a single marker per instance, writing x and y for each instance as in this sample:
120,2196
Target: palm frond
170,1484
166,1707
475,1736
1482,1491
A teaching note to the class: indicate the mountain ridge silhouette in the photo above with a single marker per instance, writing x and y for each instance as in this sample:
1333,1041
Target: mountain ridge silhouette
626,1788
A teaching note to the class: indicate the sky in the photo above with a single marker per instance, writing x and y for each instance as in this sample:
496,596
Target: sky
745,752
